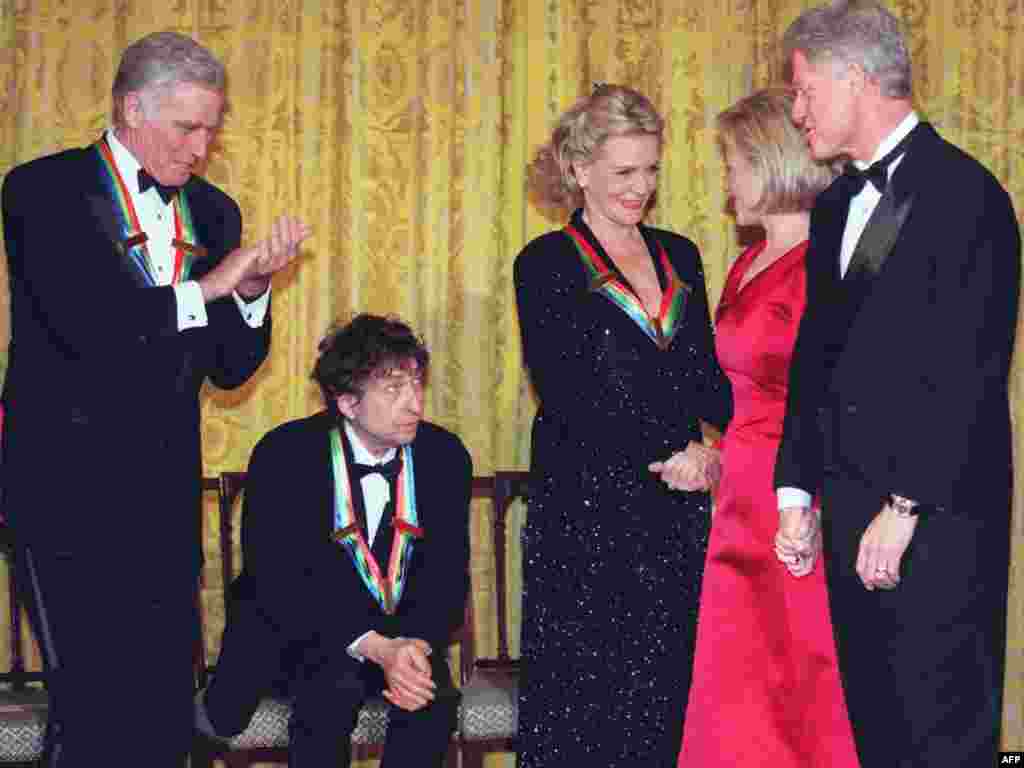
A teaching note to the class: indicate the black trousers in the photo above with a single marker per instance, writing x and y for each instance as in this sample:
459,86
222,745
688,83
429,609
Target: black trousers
327,687
922,665
117,650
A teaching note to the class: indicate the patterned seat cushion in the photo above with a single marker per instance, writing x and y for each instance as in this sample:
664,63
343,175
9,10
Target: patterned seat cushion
22,723
490,706
269,726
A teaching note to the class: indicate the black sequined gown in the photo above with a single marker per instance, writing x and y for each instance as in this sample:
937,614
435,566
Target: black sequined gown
612,558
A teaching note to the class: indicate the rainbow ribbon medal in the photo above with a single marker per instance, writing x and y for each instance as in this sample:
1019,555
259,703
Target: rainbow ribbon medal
660,329
386,589
186,244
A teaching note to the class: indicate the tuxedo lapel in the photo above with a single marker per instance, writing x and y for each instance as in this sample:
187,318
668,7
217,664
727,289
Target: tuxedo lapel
355,485
104,214
887,220
878,238
103,210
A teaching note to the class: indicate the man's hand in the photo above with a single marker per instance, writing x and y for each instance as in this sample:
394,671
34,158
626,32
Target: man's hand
406,665
695,469
882,547
248,270
798,541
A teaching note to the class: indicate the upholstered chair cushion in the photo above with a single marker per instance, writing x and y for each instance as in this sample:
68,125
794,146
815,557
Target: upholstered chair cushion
22,723
269,726
490,706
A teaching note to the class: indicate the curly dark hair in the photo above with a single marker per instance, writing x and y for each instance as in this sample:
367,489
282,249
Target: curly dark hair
351,353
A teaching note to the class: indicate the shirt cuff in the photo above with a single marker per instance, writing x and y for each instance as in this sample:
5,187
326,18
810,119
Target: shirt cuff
352,647
254,311
191,307
792,497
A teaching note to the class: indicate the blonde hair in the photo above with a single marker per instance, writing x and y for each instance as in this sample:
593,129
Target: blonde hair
611,110
760,127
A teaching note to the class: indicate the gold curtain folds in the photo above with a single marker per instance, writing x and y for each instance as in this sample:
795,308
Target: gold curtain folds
400,130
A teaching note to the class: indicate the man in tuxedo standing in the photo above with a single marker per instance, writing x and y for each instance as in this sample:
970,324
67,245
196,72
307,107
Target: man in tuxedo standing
898,409
355,543
128,291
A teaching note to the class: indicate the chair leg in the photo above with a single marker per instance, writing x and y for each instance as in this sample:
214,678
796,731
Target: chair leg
200,756
472,755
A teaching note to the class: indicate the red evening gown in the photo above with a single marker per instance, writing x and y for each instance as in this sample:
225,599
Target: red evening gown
766,688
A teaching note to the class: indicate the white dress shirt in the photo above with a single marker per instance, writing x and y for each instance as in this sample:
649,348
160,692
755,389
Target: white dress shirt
376,494
157,220
861,208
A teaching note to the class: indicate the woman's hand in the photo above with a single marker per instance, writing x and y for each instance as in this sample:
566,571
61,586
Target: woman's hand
695,469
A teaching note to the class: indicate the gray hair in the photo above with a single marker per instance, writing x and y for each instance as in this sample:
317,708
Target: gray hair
859,32
611,110
160,61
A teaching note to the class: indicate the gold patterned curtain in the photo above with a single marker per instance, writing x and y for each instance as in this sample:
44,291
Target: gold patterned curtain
400,130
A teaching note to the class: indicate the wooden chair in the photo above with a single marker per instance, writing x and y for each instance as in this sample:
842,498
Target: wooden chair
489,713
23,701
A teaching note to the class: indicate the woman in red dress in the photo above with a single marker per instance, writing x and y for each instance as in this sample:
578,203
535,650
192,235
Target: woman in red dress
766,689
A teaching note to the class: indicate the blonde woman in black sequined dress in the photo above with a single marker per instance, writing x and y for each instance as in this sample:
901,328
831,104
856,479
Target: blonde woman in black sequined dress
618,340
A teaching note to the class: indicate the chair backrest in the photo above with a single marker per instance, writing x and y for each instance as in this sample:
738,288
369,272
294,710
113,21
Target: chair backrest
16,674
502,488
228,486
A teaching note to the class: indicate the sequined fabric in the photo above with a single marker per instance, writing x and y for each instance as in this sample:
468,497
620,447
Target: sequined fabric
612,559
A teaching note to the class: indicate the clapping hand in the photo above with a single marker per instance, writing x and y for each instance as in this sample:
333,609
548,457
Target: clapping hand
248,270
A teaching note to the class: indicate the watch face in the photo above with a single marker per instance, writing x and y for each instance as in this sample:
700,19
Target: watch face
902,507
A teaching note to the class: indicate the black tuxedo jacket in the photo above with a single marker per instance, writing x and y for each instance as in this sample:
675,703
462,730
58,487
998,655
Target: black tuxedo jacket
903,371
305,584
101,447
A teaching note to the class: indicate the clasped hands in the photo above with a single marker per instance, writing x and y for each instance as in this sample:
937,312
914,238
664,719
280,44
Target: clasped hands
882,545
248,270
697,468
798,540
406,665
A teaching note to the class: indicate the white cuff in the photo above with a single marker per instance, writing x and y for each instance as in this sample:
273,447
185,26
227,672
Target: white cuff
191,307
792,497
352,648
255,311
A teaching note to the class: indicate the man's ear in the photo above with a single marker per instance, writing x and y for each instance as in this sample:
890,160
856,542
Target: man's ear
347,405
859,79
131,109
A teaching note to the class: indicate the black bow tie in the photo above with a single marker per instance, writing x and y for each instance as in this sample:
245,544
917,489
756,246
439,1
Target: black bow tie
146,181
878,172
388,470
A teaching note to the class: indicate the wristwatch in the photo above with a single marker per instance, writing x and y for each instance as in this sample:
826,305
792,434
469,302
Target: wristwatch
902,506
